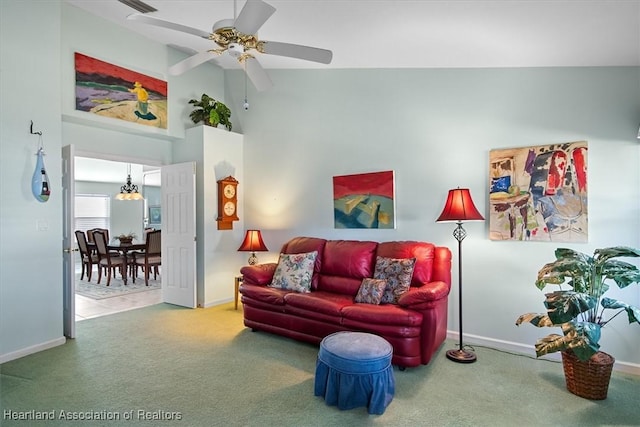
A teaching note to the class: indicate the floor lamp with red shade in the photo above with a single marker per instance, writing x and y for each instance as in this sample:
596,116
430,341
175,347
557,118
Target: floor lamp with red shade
459,207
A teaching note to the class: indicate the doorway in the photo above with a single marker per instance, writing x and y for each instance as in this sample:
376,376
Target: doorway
178,283
97,181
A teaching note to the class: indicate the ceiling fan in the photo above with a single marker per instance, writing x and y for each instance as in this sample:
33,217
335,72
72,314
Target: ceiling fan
237,38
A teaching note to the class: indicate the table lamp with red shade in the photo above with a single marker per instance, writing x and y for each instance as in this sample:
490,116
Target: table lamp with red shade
253,243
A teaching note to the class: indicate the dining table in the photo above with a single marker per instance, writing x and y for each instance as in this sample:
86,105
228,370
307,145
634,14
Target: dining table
123,248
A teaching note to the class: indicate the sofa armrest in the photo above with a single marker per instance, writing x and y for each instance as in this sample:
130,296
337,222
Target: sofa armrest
260,274
423,296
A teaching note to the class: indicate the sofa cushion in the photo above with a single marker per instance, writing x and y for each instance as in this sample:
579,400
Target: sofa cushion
371,291
299,245
339,285
259,274
382,315
294,272
263,294
397,273
318,302
349,258
423,252
346,259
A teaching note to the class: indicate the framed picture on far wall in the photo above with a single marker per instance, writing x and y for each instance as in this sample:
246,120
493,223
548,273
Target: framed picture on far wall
364,200
155,215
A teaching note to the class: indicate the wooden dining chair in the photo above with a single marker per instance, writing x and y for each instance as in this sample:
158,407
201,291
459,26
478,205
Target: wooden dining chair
108,260
89,259
105,231
151,258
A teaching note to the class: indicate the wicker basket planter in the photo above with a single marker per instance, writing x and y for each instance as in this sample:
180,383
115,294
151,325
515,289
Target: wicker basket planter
589,378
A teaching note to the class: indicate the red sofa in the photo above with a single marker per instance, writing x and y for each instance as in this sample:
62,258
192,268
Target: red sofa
415,327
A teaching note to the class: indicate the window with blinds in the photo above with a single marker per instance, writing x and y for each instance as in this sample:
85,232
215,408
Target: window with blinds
92,211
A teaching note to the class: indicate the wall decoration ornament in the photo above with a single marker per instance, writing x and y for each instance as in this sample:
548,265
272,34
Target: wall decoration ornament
40,186
111,91
364,200
227,203
539,193
40,181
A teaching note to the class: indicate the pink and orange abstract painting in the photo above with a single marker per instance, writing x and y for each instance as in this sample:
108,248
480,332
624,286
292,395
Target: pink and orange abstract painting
364,200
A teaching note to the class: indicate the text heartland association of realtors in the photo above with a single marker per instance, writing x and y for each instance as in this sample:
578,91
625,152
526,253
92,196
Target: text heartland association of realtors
133,414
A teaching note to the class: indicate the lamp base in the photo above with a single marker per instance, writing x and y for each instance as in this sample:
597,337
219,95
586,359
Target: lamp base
461,356
253,259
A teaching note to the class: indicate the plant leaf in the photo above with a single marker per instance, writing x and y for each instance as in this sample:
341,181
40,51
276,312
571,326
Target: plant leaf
536,319
583,338
565,253
214,118
632,312
550,344
564,306
577,269
623,273
602,255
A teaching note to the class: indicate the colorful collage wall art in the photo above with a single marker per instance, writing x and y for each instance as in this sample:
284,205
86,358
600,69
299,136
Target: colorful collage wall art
539,193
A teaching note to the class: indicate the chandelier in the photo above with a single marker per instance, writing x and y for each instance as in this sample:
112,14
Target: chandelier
129,191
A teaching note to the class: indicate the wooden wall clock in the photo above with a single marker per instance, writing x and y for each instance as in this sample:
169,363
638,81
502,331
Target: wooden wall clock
227,203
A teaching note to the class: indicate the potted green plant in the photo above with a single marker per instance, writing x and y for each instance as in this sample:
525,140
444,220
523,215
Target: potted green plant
580,312
210,111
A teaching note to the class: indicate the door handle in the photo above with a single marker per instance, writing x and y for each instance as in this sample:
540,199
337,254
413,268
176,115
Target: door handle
68,250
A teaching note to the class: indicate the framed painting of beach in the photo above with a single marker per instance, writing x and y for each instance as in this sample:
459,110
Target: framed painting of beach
111,91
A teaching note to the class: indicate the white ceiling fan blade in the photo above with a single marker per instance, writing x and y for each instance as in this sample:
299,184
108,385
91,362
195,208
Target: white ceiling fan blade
315,54
167,24
252,16
257,74
191,62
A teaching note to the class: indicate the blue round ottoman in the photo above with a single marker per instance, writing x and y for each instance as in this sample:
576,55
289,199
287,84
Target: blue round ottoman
354,369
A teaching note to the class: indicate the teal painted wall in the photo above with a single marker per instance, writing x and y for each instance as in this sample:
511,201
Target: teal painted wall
435,128
30,231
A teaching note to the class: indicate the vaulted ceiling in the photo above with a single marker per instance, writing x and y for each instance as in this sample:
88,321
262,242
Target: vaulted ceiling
417,33
405,34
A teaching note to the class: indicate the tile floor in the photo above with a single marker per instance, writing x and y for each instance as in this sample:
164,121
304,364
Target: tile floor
86,308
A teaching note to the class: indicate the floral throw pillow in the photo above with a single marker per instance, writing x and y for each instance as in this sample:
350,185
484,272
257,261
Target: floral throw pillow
397,273
294,272
371,291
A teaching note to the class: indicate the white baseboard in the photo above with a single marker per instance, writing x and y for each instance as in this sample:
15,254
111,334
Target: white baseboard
33,349
218,302
529,350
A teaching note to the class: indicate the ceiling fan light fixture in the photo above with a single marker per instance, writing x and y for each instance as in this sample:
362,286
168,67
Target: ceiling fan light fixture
235,50
139,6
238,38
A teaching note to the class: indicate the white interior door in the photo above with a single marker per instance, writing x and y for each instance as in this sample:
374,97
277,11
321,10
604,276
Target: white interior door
68,243
179,234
